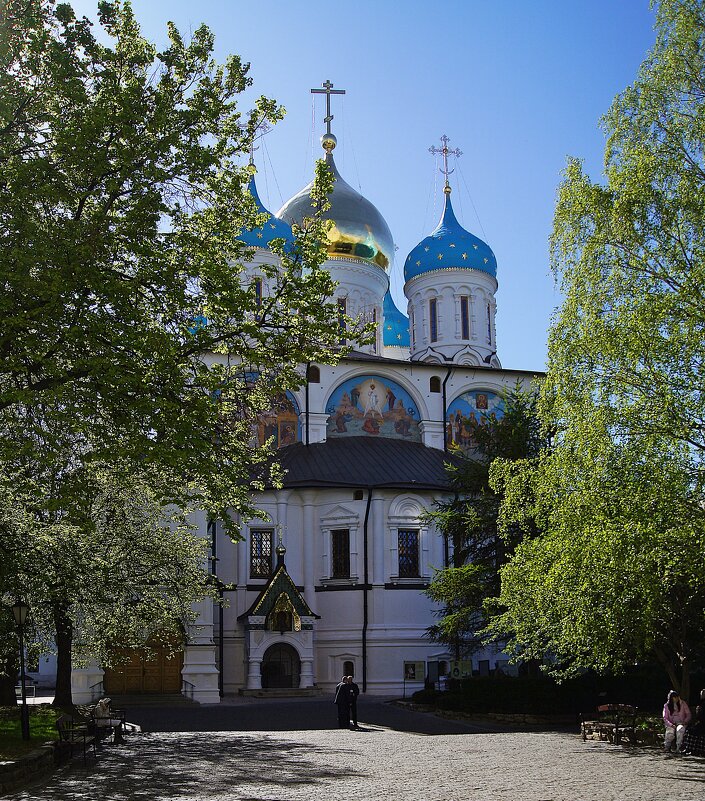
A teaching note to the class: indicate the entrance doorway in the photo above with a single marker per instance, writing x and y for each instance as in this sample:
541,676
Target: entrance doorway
281,667
140,672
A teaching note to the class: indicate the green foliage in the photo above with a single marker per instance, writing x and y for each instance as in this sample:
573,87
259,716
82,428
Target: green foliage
121,202
469,520
618,574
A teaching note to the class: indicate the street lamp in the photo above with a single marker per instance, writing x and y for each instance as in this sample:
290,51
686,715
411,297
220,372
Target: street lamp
19,612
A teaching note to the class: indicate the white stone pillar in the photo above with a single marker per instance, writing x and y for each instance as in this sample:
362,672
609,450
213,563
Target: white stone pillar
254,674
308,534
87,683
376,533
306,679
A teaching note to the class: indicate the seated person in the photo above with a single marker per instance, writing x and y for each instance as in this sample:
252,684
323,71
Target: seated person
676,716
694,740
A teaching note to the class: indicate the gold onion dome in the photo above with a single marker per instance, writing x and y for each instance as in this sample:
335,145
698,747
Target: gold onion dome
358,232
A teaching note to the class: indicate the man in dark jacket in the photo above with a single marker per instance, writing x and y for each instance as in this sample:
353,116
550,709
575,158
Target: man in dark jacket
342,701
354,692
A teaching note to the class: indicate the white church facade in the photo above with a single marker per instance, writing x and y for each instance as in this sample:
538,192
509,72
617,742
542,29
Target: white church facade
332,580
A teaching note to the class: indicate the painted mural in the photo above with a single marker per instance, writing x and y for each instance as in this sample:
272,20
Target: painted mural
466,413
372,406
280,422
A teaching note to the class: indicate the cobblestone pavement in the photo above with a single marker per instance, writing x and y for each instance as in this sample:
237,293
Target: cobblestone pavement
414,757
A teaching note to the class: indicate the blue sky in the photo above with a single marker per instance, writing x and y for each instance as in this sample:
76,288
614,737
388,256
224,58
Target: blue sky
518,86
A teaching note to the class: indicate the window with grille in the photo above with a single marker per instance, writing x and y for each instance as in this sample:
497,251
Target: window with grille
433,319
340,546
408,553
260,553
464,317
342,311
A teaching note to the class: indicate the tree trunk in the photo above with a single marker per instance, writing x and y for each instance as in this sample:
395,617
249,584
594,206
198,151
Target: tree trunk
9,668
64,639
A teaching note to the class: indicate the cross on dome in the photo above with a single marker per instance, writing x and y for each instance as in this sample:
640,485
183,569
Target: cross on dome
328,139
445,151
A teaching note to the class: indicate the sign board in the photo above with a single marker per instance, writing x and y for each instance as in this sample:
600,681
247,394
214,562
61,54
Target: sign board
414,671
460,668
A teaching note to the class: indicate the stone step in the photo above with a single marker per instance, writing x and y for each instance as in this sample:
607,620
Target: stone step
282,692
166,699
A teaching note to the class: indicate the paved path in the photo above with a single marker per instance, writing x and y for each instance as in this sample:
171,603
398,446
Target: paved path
272,751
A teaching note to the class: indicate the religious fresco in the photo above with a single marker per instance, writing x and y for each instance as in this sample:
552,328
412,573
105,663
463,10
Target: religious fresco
372,406
280,422
466,413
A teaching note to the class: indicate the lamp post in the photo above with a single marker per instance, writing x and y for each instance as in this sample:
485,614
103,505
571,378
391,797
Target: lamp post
19,611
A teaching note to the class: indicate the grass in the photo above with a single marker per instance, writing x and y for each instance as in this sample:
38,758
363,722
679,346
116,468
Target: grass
42,728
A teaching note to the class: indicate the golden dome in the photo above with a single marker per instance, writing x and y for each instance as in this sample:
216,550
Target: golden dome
359,232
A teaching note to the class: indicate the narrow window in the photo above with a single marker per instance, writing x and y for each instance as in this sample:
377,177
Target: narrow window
464,317
260,553
342,311
374,320
411,328
258,292
489,324
434,384
340,547
313,374
408,553
357,495
433,319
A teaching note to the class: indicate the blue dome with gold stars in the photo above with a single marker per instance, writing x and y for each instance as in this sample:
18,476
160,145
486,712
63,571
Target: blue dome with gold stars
449,247
272,229
396,325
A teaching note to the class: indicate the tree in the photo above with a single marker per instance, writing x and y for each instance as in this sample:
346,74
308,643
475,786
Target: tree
117,565
618,572
468,520
121,203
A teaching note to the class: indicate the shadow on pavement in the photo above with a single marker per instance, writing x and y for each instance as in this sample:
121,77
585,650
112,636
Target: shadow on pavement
190,766
296,715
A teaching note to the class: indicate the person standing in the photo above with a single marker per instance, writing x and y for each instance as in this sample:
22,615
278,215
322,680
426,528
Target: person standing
676,716
354,692
342,701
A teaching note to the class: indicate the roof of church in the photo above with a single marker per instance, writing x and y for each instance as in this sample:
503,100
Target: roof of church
359,231
396,324
365,462
272,229
450,247
280,582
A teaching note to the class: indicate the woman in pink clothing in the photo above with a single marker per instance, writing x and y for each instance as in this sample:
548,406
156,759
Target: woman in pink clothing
676,716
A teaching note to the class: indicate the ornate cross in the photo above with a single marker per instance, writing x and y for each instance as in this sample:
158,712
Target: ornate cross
445,151
327,91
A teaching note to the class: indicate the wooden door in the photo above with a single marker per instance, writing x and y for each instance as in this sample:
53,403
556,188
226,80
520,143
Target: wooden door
139,672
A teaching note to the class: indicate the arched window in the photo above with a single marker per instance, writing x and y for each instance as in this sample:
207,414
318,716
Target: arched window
433,319
313,374
464,317
434,384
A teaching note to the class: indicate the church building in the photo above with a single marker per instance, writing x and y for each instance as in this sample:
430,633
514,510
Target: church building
332,581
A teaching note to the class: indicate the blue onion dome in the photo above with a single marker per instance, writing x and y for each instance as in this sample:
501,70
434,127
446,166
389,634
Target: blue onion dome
396,325
450,247
272,229
359,232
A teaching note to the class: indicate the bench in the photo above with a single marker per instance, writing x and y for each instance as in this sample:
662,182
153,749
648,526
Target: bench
610,722
73,735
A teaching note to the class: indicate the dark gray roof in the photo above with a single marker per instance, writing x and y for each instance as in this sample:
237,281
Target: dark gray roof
365,462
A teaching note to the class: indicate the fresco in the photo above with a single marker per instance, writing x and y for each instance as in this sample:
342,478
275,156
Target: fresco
372,406
466,413
280,422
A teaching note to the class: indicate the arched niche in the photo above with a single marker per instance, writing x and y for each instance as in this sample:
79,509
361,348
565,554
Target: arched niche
372,406
476,407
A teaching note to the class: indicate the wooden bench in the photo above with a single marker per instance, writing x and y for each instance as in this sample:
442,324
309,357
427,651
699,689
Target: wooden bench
74,734
610,722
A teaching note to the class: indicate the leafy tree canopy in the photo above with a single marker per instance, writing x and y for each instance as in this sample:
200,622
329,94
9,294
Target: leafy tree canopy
121,201
618,573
